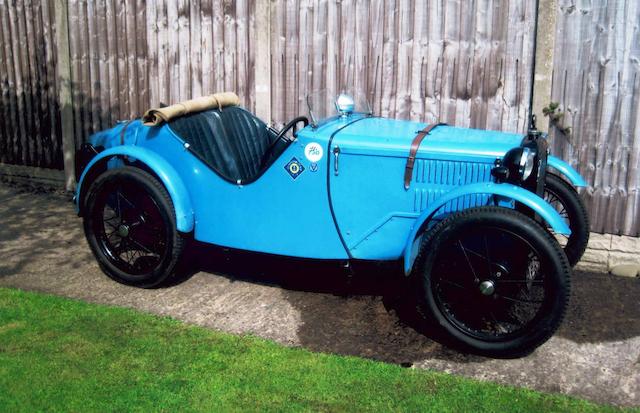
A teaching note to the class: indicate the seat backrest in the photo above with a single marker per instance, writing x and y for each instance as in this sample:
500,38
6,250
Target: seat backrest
232,141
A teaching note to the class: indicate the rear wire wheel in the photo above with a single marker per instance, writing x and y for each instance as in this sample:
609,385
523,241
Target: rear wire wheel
494,280
130,226
564,199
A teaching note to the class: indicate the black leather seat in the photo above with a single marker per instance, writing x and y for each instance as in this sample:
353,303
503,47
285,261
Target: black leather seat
232,141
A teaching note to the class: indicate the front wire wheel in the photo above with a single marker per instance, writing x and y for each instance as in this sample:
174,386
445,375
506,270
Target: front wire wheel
130,226
496,282
564,199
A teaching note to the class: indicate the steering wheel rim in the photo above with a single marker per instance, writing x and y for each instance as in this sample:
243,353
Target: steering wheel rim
294,122
282,133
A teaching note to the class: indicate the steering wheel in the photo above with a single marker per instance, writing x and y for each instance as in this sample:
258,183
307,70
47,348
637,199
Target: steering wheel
292,124
281,135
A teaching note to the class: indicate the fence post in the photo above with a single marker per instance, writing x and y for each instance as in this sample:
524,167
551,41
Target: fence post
64,92
542,78
263,60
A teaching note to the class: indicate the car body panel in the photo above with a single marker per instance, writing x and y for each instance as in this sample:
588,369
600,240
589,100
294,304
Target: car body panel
566,170
392,137
509,191
371,205
276,214
363,211
372,208
168,175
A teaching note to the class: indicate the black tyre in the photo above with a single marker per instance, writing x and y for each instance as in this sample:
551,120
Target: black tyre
564,198
129,222
494,280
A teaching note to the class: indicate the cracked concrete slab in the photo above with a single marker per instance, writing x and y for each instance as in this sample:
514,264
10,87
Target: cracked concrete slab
595,354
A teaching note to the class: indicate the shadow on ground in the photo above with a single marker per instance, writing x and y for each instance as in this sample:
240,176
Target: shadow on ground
44,228
367,312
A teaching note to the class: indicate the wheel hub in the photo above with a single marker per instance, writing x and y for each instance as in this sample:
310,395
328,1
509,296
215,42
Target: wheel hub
123,230
487,287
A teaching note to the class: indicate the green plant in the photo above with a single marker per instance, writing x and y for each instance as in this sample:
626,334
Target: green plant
555,115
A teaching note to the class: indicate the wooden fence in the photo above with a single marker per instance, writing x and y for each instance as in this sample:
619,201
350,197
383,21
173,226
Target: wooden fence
126,56
467,63
596,79
30,131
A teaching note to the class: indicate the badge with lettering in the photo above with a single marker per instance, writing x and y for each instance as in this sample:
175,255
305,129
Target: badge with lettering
294,168
313,152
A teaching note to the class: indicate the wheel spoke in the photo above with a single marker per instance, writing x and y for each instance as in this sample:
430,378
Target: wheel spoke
124,198
142,247
118,208
112,218
486,251
518,300
473,271
520,281
497,324
449,282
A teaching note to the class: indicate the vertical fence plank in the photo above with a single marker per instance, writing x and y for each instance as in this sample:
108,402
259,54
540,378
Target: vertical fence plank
262,47
183,51
9,130
17,53
206,46
196,52
64,91
243,79
113,112
34,143
142,60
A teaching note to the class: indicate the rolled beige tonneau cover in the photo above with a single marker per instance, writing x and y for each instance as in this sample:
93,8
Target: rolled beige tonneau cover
154,117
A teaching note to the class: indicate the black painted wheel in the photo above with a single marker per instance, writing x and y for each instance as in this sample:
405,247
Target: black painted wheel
130,225
494,280
564,198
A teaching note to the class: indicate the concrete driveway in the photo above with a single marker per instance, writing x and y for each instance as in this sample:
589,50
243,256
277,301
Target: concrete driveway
595,355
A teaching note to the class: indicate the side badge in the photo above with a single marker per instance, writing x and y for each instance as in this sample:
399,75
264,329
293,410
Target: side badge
313,152
294,168
313,167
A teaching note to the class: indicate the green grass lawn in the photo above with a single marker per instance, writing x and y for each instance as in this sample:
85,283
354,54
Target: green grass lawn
59,354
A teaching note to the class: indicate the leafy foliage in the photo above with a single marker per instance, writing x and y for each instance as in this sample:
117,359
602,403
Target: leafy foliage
555,115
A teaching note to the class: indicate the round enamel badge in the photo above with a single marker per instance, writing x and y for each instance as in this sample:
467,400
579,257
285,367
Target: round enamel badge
313,152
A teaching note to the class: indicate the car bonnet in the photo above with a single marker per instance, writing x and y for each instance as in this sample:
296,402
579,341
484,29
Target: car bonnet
391,137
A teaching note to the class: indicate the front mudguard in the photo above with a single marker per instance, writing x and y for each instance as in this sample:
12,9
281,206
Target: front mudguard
167,174
516,193
566,170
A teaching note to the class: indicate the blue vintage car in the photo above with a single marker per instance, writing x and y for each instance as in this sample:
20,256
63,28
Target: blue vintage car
484,225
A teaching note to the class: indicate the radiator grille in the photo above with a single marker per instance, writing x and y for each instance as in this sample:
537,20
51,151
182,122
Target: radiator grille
432,178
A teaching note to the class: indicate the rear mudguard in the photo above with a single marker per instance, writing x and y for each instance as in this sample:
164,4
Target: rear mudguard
516,193
168,176
566,170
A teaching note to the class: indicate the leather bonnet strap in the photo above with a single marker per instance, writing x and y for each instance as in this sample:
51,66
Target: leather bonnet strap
415,145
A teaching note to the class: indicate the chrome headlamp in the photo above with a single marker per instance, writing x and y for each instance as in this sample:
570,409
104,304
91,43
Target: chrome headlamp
345,104
517,165
527,162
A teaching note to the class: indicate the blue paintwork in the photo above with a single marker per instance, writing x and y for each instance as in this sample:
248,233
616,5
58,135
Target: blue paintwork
375,217
167,174
391,137
567,171
537,204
